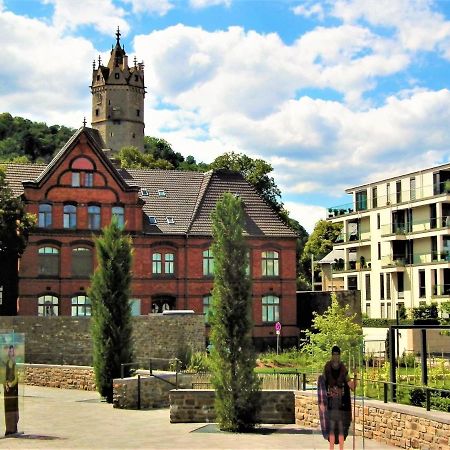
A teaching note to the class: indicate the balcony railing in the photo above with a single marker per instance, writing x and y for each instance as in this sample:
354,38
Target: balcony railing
440,290
416,226
393,199
416,259
342,266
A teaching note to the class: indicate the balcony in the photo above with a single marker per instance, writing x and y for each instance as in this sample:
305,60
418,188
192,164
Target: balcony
431,258
357,237
400,230
351,266
440,290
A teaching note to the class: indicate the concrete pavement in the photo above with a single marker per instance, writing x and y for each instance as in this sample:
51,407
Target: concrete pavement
70,419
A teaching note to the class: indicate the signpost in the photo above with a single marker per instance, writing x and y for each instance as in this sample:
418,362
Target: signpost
278,331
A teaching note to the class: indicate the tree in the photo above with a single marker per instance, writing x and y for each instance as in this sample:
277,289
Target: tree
256,172
161,149
111,313
132,158
233,357
335,327
319,244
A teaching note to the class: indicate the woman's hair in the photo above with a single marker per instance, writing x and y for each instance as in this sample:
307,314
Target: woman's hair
335,349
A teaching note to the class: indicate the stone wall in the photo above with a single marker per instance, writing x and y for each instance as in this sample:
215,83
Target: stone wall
394,424
67,340
192,405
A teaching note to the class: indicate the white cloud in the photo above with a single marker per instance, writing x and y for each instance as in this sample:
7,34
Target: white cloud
102,14
306,215
207,3
315,9
159,7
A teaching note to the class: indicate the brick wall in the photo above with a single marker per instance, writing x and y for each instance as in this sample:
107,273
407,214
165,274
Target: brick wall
67,340
394,424
192,405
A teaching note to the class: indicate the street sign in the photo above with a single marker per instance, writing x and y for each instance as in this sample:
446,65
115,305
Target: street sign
278,327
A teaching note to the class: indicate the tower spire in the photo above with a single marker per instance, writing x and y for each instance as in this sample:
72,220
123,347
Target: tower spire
118,34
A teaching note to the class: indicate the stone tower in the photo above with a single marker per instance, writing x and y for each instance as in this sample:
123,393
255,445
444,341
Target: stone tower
118,93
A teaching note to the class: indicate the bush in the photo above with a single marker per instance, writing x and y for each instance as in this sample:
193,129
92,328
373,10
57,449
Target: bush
417,397
439,400
407,360
383,323
199,362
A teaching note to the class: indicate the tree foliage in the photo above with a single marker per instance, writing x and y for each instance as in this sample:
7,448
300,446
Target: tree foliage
335,327
132,158
233,357
111,312
34,140
15,222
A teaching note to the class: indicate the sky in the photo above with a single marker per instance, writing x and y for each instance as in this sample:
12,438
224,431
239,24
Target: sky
332,94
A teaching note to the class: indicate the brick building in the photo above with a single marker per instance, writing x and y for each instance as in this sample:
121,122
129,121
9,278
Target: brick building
167,214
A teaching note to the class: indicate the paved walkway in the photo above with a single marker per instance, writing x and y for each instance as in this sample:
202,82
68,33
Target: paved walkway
70,419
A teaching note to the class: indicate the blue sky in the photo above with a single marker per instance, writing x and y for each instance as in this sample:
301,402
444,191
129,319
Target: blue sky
332,93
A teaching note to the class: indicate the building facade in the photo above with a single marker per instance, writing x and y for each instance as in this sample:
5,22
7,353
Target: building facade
395,242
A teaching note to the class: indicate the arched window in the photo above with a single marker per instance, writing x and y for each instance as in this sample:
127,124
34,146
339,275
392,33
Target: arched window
70,216
48,305
94,217
81,262
208,263
81,305
157,263
270,308
207,307
45,215
118,212
48,261
269,262
82,174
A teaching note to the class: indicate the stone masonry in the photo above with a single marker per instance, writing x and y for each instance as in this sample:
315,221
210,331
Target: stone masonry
394,424
193,405
67,340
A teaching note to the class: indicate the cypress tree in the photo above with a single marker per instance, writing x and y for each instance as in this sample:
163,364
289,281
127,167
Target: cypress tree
233,357
111,312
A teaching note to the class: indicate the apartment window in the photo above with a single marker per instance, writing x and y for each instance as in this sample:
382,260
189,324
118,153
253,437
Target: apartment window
270,308
412,188
367,285
157,263
119,213
382,311
388,311
352,283
398,191
361,200
374,197
207,307
368,309
48,305
379,250
81,305
81,262
388,285
382,286
422,286
270,264
70,216
388,194
1,295
378,221
94,217
169,259
45,215
208,263
400,285
48,261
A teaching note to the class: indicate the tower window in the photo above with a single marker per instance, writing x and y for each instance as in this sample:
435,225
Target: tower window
116,75
134,135
138,112
98,77
136,78
97,112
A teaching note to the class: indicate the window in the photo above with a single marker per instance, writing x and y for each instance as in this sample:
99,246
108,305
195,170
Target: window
144,191
382,286
368,309
378,221
208,263
135,306
361,200
89,179
169,263
94,217
161,193
368,295
207,307
70,216
400,285
138,112
388,194
382,311
97,112
81,262
75,179
136,78
48,305
81,305
412,188
48,261
379,250
170,220
116,76
156,263
270,308
45,215
422,286
374,197
352,283
1,295
388,311
119,214
270,264
152,220
398,191
388,286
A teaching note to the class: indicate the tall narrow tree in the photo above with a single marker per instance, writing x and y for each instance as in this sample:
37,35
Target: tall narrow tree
111,313
236,384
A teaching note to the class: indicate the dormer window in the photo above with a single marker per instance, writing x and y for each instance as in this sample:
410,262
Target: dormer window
161,193
152,220
144,192
170,220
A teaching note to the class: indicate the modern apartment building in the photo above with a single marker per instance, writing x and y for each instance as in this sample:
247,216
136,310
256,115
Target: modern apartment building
395,242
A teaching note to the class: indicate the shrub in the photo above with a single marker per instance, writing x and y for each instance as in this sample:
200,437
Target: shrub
417,397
